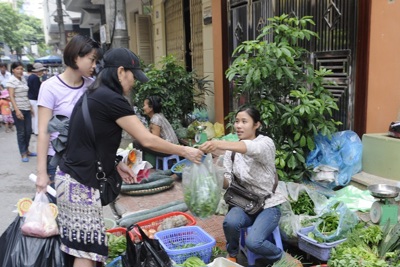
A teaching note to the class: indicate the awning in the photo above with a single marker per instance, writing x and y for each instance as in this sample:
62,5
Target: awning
5,59
49,60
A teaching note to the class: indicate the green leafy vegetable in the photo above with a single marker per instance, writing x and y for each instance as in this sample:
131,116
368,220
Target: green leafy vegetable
193,262
116,245
304,205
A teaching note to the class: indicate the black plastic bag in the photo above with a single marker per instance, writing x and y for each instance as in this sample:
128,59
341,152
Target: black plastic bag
17,250
147,253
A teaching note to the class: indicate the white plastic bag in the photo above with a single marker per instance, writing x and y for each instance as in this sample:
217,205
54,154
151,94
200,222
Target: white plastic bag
39,220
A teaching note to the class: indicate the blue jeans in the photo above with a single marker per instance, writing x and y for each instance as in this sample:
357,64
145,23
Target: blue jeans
24,131
262,225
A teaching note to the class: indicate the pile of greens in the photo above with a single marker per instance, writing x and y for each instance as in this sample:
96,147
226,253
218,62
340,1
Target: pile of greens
116,246
304,205
368,247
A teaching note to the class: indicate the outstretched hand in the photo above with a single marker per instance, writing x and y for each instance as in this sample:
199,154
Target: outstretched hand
208,147
193,154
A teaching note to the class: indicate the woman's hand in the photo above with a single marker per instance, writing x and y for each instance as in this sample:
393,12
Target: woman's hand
42,181
208,147
126,173
19,115
193,154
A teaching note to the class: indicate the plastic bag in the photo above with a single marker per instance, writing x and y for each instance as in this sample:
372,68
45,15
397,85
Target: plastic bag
290,223
202,191
147,253
23,251
219,129
39,220
347,221
343,152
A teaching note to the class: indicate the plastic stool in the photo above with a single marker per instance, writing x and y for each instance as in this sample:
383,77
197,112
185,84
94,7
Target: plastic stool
165,161
275,237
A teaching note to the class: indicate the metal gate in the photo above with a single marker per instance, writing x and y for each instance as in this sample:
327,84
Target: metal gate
336,23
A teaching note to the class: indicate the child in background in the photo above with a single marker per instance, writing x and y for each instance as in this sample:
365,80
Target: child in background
6,110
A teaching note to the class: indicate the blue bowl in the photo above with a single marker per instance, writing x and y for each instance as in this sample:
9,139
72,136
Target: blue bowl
181,165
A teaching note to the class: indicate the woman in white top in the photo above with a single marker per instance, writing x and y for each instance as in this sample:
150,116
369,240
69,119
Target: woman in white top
21,109
254,166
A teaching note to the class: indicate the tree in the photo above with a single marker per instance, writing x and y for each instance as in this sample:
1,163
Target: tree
19,30
290,94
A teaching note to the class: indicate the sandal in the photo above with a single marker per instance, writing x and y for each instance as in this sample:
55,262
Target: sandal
25,159
32,154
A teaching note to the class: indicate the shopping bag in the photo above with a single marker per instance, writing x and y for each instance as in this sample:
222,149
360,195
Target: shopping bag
146,253
24,251
201,188
40,220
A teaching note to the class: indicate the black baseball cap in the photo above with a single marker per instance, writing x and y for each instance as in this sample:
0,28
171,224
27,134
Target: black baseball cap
123,57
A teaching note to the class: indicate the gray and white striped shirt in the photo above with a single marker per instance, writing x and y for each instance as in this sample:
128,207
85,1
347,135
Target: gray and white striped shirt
20,92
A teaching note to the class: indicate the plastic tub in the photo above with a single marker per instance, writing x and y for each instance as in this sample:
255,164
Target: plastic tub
320,251
175,242
153,223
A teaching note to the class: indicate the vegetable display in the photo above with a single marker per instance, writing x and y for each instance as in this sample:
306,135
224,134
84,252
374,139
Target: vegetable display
304,205
116,246
192,262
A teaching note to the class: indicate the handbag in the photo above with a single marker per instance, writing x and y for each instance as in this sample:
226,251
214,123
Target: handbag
238,196
146,253
110,186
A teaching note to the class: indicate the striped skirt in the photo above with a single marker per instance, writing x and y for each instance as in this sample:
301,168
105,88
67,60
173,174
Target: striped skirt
80,219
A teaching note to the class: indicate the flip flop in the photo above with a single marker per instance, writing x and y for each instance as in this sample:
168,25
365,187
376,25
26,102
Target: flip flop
32,154
25,159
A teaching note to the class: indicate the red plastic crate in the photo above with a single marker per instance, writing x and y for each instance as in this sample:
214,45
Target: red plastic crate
153,223
118,231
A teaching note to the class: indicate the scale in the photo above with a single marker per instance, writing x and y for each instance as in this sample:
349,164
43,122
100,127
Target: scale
200,136
386,207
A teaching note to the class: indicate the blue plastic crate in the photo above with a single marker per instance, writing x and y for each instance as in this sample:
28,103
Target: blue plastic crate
174,239
320,251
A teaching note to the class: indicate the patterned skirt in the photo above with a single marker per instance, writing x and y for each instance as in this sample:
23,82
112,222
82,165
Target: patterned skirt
80,219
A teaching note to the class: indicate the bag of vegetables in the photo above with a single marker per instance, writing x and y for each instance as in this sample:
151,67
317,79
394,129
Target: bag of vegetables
201,189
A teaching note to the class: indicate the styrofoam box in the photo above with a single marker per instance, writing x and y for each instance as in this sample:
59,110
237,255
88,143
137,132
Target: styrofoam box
222,262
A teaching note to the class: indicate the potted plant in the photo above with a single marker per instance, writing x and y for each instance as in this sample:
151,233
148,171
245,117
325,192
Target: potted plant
290,94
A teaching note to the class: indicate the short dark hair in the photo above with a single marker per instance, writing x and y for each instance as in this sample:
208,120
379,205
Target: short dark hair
79,45
155,103
16,64
29,67
2,64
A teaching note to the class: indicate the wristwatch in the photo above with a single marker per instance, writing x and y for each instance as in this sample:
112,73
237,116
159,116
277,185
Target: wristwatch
228,175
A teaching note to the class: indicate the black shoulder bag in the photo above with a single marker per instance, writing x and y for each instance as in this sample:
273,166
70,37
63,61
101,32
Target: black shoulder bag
238,196
110,187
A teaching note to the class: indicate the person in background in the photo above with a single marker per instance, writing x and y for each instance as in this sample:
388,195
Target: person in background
4,75
33,92
58,96
29,68
6,110
159,125
80,218
254,166
21,109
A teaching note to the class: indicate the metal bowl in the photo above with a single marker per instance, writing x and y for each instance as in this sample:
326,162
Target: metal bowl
384,190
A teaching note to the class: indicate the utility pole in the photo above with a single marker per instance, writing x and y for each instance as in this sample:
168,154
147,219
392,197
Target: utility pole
60,20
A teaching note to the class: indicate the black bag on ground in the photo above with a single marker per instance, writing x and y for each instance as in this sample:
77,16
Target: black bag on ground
17,250
147,253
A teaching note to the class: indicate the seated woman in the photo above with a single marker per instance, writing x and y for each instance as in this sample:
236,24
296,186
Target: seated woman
158,125
254,166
